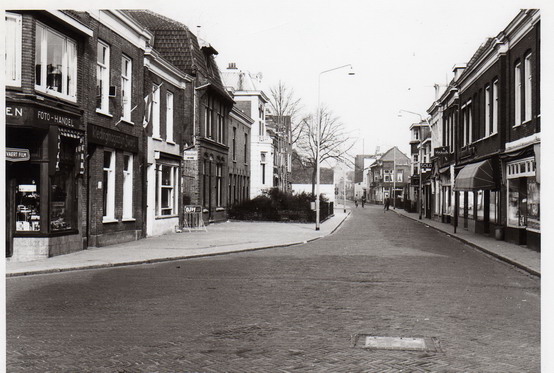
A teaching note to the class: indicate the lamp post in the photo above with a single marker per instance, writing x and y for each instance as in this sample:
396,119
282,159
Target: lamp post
318,135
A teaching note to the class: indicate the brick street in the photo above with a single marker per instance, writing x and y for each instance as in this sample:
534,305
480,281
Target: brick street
293,309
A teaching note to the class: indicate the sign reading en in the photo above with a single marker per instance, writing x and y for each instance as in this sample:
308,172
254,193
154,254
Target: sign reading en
17,155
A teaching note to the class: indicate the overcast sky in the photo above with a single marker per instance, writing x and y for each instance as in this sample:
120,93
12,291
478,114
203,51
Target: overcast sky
399,50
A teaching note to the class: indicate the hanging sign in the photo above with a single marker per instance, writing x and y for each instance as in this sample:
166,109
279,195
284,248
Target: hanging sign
17,155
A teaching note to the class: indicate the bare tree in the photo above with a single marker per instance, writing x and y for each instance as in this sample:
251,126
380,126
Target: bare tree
335,141
284,103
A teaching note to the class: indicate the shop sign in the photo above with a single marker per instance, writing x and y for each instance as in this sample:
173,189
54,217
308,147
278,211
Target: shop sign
17,155
27,188
190,155
31,115
112,139
426,165
442,150
189,209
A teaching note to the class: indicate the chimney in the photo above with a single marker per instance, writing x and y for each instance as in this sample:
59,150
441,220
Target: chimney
232,66
458,69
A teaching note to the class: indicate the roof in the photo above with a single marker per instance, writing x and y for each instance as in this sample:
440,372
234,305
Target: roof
176,43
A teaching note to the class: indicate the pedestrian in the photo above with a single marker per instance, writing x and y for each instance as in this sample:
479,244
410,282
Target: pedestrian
363,201
387,204
356,202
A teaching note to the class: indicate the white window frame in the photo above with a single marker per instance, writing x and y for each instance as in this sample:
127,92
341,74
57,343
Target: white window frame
128,186
527,86
172,187
69,65
399,176
103,69
169,117
219,185
110,195
517,94
488,109
13,49
513,171
494,113
126,88
156,112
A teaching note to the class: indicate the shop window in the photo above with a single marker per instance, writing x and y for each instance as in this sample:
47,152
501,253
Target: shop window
480,207
493,206
126,79
13,49
102,77
27,199
517,202
533,205
461,205
127,186
108,185
55,63
62,199
167,179
470,205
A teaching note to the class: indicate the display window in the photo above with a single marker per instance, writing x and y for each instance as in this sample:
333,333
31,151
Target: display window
27,199
480,207
533,205
62,199
517,202
461,205
469,203
493,206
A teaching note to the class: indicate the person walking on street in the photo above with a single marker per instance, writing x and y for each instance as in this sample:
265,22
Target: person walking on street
363,201
387,204
356,202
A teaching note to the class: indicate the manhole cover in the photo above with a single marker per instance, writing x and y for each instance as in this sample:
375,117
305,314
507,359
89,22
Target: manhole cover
371,342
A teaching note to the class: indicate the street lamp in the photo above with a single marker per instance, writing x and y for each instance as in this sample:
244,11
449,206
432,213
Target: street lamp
318,118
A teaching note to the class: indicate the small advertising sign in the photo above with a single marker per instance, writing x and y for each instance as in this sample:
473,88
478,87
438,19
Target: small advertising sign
17,155
442,150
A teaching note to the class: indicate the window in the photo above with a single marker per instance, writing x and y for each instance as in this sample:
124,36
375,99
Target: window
467,125
494,111
234,144
156,111
517,94
399,176
218,185
205,176
527,81
126,75
245,148
220,124
262,163
55,63
102,77
108,185
169,117
208,113
27,197
13,49
127,186
493,206
488,103
388,176
166,180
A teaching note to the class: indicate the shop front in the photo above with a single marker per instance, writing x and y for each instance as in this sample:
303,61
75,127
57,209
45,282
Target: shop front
523,202
44,183
478,196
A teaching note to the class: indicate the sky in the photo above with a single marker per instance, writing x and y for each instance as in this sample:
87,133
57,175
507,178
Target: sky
398,50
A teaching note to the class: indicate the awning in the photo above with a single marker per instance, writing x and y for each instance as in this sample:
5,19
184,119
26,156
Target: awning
476,176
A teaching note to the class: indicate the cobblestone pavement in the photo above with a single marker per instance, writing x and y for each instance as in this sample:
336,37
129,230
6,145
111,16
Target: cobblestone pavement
293,309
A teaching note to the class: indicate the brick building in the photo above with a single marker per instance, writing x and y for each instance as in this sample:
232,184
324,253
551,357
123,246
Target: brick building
486,165
388,177
115,137
46,96
207,106
165,124
240,126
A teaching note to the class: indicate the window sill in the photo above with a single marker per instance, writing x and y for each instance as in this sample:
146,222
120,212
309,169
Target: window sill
104,113
220,209
128,220
161,217
170,142
157,138
127,121
109,220
55,94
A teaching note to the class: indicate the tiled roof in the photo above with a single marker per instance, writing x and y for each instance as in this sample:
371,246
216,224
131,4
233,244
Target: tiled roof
176,43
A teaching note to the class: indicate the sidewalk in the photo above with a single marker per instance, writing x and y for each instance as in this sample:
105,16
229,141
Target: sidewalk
519,256
221,238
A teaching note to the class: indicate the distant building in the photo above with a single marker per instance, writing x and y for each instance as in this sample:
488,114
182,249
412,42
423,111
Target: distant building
388,177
